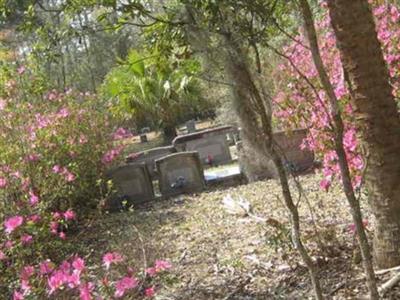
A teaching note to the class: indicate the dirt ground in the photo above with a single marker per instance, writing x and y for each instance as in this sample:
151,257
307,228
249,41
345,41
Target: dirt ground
218,255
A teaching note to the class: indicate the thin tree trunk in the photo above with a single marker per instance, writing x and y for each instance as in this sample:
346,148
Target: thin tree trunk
340,151
246,95
377,120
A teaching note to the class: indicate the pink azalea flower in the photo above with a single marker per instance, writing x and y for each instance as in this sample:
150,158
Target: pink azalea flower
69,215
56,281
325,184
78,264
65,266
56,215
62,235
54,227
2,256
34,218
85,291
111,257
26,239
69,177
162,265
3,182
151,271
33,198
46,267
27,272
149,292
63,113
74,280
32,157
25,286
18,296
56,169
126,283
13,223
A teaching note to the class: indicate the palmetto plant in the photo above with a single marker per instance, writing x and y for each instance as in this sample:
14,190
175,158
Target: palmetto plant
153,88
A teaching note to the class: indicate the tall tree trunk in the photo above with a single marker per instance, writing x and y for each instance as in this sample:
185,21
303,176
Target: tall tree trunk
254,116
377,120
339,149
256,127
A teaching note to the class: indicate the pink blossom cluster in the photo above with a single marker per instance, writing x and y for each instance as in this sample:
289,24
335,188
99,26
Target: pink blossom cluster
74,275
112,154
121,133
299,105
69,177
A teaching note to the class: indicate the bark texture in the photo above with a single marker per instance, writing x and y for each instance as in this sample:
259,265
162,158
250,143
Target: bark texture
377,120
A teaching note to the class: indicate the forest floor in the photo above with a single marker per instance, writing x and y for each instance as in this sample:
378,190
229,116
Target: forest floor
218,255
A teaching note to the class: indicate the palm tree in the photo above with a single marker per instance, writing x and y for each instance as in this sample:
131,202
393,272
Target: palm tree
377,120
153,88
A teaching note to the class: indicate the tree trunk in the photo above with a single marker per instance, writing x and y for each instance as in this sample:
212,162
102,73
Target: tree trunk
339,149
377,120
257,130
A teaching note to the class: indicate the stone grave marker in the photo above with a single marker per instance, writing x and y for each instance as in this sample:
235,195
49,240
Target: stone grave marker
256,167
149,157
211,144
132,183
294,157
191,126
180,173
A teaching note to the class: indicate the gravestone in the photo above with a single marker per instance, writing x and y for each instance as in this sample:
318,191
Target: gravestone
294,158
149,156
191,126
211,144
132,183
180,173
143,138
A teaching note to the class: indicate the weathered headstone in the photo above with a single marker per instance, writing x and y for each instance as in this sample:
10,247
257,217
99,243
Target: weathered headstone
132,183
256,167
191,126
180,173
295,158
211,144
149,157
143,138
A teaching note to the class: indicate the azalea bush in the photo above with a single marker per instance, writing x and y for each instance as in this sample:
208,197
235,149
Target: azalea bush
54,147
302,102
54,151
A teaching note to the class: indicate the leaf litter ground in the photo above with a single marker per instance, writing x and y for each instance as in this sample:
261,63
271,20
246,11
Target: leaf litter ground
218,255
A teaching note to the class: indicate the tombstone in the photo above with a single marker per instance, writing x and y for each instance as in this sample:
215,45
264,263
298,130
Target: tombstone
295,158
191,126
211,144
180,173
143,138
149,156
256,167
132,183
